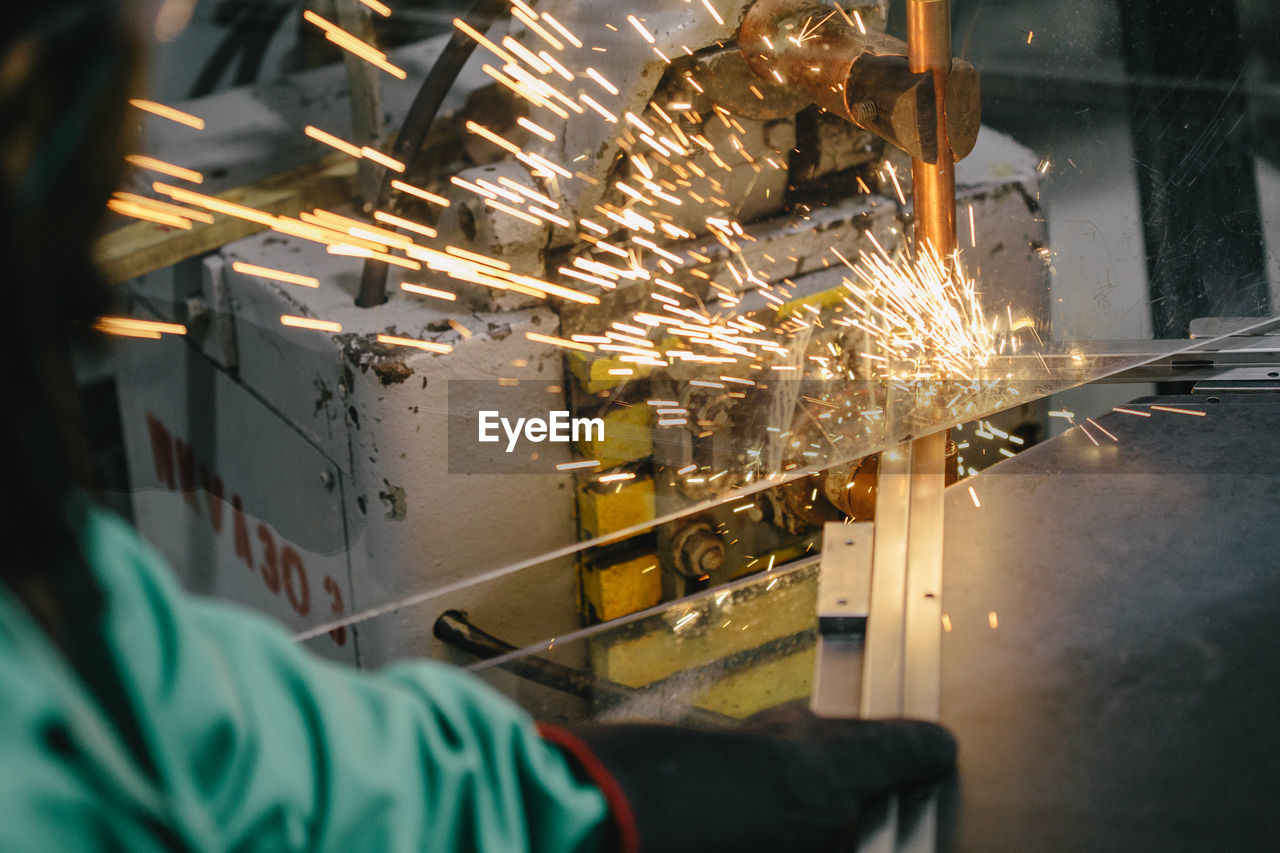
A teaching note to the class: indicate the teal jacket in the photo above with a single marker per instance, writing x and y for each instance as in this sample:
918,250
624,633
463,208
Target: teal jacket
258,745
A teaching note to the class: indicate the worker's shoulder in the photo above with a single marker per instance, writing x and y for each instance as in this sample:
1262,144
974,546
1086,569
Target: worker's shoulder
115,552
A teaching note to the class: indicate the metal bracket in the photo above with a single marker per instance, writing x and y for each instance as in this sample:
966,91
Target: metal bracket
844,587
844,601
880,617
211,315
1241,380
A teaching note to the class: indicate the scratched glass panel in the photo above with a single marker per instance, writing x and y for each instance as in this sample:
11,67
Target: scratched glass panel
698,257
730,354
705,661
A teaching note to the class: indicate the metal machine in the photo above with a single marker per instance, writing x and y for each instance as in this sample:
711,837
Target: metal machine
772,252
352,452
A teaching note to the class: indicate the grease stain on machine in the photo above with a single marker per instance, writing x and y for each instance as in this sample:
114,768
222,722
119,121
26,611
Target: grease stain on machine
387,362
395,501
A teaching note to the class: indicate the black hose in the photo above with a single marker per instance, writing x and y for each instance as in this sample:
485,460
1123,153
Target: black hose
252,26
418,122
223,55
258,41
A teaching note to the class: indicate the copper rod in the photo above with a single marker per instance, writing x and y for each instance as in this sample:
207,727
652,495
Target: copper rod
933,184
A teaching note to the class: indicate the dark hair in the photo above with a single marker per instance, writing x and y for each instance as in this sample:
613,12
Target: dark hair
67,116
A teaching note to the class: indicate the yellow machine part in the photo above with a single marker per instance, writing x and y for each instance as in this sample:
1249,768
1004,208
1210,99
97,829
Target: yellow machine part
823,299
627,437
621,588
640,660
593,373
608,508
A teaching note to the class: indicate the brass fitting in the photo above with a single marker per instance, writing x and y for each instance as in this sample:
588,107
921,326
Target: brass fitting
814,51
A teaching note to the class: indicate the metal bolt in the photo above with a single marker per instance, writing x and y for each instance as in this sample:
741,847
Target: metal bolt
698,551
710,556
326,479
863,112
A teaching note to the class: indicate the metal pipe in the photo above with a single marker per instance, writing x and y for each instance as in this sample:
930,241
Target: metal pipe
933,185
417,124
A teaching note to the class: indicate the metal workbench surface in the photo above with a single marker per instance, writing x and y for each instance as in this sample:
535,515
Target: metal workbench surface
1112,664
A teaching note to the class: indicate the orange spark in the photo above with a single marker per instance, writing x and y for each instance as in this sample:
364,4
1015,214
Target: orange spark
275,275
428,291
310,323
429,346
353,45
420,193
130,327
168,112
1178,411
559,342
381,8
155,165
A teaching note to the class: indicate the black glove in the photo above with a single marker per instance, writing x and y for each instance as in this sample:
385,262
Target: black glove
781,782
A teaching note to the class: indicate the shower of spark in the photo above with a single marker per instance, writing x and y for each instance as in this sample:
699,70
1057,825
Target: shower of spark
925,321
901,319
